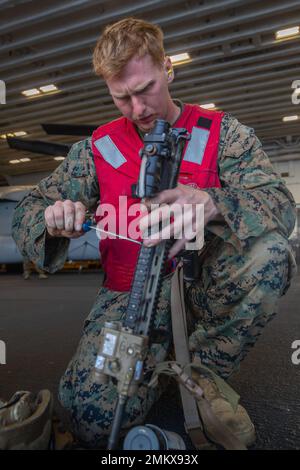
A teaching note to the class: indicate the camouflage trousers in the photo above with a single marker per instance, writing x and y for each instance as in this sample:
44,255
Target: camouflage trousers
235,298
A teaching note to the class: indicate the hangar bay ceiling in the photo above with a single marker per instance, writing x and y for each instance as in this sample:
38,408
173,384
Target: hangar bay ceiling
236,63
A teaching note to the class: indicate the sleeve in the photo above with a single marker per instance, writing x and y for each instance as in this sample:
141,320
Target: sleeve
74,179
253,199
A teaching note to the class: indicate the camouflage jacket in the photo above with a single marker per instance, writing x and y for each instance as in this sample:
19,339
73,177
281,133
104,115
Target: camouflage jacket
253,199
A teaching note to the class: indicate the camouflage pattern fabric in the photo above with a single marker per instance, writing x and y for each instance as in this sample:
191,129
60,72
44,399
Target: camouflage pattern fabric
235,298
247,266
92,406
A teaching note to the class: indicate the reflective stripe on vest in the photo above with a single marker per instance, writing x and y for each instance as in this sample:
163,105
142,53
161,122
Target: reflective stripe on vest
196,146
110,151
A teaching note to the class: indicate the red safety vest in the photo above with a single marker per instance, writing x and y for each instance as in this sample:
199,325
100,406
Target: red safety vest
116,148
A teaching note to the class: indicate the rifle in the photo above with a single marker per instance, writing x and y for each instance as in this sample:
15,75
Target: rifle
124,345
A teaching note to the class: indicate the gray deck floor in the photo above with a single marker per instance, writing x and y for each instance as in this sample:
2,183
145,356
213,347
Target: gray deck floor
41,320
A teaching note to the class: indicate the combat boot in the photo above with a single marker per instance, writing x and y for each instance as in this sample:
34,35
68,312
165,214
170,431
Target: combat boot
238,420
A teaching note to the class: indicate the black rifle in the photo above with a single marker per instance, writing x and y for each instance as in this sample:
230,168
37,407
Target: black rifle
123,347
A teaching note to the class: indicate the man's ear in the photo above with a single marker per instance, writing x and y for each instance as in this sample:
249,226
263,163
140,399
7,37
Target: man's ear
169,69
170,74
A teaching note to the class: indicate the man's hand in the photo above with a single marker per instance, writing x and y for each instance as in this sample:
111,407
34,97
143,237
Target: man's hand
169,199
65,219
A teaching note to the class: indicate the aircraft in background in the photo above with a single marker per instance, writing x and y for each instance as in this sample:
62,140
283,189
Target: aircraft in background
83,248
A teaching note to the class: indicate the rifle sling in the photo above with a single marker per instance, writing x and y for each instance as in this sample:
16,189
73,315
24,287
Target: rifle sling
214,428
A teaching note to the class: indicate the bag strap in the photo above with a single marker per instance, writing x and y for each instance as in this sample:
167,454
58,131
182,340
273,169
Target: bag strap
193,424
213,427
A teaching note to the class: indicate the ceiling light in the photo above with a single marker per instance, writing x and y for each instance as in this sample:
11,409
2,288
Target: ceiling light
13,162
20,133
59,158
179,59
290,118
287,33
13,134
208,106
41,90
47,88
25,159
31,92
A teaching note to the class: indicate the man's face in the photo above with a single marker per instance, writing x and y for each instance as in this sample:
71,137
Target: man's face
141,92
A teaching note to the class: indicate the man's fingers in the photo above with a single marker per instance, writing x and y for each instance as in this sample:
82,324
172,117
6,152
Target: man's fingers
65,219
164,197
49,218
165,213
69,215
181,216
58,211
79,215
154,217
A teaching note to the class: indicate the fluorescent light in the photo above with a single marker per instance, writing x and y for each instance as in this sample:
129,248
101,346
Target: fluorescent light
25,159
59,158
31,92
41,90
286,33
48,88
13,134
179,59
290,118
20,133
13,162
208,106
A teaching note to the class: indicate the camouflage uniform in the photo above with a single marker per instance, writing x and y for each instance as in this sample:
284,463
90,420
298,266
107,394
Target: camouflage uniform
245,269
